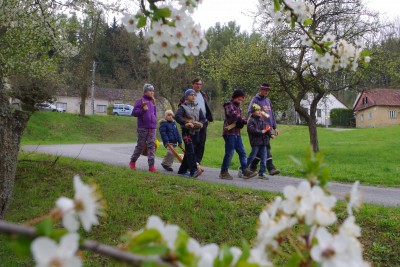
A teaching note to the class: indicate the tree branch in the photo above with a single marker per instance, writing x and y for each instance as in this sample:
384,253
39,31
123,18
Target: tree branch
11,228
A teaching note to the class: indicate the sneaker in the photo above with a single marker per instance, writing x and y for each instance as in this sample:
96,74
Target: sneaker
240,173
132,165
225,175
168,168
185,174
247,173
152,169
253,169
274,172
196,173
263,176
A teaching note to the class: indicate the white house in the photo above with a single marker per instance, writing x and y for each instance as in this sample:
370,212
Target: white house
324,107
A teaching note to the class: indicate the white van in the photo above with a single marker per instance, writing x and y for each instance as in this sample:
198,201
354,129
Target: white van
122,110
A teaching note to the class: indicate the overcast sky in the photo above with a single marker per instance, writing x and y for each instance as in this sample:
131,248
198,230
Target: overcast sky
223,11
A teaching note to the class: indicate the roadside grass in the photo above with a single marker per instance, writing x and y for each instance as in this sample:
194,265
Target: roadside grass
65,128
208,212
368,155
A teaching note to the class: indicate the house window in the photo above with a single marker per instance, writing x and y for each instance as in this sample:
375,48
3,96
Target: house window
362,117
392,114
318,112
369,115
101,108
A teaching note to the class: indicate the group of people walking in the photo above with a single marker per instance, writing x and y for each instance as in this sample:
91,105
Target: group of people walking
194,114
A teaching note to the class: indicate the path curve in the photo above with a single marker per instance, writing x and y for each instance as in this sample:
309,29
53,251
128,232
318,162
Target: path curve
119,155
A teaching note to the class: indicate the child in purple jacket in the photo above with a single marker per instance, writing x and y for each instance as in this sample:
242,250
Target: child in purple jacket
146,113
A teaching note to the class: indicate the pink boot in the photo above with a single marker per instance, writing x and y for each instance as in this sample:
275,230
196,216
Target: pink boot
132,165
152,169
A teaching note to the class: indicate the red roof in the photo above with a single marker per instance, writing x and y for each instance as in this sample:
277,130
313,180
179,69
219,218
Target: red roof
378,97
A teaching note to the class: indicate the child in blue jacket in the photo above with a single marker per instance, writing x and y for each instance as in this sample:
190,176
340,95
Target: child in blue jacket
169,135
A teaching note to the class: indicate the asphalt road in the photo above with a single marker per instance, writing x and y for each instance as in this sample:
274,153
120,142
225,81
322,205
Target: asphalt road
119,155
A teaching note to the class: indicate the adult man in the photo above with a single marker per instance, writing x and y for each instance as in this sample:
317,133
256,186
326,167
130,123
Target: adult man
264,102
233,123
146,113
203,101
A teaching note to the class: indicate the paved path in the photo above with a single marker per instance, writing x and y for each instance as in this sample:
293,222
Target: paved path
119,154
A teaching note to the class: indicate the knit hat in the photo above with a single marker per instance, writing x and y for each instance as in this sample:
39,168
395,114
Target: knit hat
167,112
147,87
255,107
265,86
189,92
237,93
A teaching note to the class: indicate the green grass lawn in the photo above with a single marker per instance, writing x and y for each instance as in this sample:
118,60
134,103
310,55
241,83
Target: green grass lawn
368,155
208,212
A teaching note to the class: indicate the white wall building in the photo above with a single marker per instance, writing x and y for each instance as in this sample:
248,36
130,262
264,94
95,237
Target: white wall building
324,107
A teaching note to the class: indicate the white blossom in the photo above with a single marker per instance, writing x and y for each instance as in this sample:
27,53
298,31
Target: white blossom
236,253
258,255
350,228
130,22
85,206
169,232
355,200
294,198
46,252
337,250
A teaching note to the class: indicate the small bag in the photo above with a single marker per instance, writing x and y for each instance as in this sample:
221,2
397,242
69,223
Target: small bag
145,152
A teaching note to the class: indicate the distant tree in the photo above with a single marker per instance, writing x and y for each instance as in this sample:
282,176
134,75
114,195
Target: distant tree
244,63
171,83
122,56
77,70
291,62
219,38
384,71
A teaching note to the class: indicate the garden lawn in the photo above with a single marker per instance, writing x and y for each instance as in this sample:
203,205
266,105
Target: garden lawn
368,155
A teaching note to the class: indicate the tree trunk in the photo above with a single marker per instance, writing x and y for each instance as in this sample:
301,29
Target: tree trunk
12,125
311,123
82,107
312,129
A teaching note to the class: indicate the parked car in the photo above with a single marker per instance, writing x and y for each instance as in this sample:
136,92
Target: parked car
48,107
122,110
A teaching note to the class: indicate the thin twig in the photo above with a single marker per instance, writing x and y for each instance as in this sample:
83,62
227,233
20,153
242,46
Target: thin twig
137,260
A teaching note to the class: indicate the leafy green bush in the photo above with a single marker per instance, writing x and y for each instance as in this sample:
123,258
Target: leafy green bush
342,117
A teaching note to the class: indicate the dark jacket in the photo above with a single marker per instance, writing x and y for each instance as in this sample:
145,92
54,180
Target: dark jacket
169,132
255,125
266,105
146,118
209,115
233,113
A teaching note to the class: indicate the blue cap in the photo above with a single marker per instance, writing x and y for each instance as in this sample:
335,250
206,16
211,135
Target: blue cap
189,92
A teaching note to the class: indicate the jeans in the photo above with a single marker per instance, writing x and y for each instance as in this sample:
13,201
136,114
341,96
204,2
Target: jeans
258,150
232,143
270,164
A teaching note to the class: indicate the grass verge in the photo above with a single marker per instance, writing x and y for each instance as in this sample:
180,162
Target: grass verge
208,212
